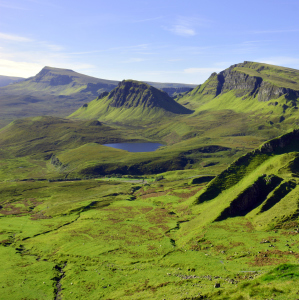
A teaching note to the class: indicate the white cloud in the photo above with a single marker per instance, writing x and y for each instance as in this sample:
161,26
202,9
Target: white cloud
182,30
186,26
16,38
19,69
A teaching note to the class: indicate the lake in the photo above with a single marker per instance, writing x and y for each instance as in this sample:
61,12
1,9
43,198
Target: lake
136,147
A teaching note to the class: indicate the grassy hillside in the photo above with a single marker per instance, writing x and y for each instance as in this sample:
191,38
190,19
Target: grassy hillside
49,147
131,101
82,220
261,185
57,92
147,238
52,91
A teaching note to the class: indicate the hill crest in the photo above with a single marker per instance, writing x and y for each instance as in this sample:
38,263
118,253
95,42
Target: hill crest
130,100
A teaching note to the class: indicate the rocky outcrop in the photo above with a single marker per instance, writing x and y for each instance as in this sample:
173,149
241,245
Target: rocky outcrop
240,82
234,79
268,91
132,94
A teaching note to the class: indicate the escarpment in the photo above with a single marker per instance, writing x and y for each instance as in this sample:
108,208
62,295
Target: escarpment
253,79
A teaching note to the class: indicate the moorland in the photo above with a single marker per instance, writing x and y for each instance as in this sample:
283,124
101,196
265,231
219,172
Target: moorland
213,214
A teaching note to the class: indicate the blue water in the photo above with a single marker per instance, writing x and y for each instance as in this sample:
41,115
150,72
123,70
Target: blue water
136,147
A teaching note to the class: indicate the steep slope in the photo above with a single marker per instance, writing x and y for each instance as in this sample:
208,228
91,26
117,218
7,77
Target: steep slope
6,80
261,100
250,79
261,185
131,101
58,92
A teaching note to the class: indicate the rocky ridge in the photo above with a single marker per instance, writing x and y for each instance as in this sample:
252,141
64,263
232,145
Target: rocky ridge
237,78
130,93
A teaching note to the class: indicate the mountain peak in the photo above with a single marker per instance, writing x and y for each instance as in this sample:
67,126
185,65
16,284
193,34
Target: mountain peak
132,93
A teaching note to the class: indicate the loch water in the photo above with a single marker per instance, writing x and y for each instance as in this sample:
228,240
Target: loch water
136,147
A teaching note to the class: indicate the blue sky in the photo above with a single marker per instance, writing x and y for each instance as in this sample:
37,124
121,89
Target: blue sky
164,41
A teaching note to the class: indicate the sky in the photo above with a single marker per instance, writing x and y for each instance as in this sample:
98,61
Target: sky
155,40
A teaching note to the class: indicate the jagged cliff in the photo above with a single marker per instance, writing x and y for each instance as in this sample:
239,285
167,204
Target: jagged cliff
263,81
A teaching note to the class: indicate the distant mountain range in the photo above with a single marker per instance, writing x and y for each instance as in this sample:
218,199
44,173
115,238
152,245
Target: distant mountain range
59,92
6,80
208,127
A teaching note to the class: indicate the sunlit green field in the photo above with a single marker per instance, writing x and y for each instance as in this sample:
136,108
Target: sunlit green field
118,240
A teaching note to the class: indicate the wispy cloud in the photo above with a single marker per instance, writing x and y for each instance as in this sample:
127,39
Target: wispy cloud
51,47
273,31
186,26
12,37
201,70
5,5
183,30
281,61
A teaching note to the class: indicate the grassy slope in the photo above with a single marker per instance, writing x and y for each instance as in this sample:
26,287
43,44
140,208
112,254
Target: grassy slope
114,240
224,196
131,102
54,91
280,76
122,240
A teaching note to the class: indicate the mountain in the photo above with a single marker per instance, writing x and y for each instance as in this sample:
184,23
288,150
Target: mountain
248,80
59,92
6,80
130,101
52,91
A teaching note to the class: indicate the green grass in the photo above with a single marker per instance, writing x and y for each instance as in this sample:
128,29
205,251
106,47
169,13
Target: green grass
119,248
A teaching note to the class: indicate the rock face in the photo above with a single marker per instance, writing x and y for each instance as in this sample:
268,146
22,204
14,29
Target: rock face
130,93
237,78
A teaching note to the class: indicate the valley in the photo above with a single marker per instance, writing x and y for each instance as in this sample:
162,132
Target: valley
211,214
